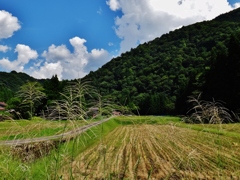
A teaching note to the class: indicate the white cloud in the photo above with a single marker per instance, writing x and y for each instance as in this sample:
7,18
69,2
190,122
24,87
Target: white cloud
96,59
206,9
57,60
8,24
70,65
236,5
25,54
47,71
144,20
6,64
113,4
4,48
56,53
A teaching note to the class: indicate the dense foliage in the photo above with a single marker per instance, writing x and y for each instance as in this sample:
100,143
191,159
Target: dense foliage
157,76
223,78
10,83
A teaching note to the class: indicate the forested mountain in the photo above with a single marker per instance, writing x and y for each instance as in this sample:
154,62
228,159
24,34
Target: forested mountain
157,76
10,83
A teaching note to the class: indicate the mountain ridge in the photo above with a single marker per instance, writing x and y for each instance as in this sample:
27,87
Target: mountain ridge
154,76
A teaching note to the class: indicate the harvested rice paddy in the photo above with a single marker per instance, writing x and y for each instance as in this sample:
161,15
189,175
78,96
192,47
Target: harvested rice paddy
151,151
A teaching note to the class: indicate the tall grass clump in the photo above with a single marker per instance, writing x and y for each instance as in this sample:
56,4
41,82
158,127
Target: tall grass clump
73,102
81,101
31,95
211,112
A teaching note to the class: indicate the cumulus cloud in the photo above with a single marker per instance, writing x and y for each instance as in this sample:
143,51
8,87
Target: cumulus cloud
4,48
8,24
56,60
47,70
144,20
56,53
96,59
25,54
236,5
113,4
70,65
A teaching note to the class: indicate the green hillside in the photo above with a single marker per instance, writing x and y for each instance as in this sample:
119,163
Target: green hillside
10,83
157,76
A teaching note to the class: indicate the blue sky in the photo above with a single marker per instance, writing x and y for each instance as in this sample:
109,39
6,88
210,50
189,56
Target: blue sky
71,38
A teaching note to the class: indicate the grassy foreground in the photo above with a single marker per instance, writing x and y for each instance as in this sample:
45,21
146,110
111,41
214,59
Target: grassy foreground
16,162
37,127
137,148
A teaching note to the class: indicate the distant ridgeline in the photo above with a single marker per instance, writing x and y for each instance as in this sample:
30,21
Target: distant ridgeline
158,76
10,83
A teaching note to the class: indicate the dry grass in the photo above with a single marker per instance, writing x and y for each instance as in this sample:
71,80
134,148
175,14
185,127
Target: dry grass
212,112
158,152
32,151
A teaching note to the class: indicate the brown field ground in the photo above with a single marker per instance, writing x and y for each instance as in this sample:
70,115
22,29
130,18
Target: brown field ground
158,152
